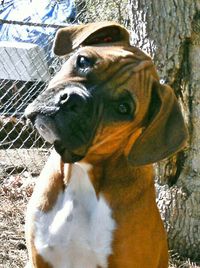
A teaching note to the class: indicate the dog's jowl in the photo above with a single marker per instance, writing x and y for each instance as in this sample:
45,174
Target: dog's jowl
109,119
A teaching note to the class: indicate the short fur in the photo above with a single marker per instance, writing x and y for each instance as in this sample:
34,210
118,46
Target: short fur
107,111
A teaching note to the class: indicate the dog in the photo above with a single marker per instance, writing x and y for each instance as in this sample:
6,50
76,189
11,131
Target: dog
109,119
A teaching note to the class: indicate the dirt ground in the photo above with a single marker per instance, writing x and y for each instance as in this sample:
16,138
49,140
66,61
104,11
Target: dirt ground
19,169
19,160
15,192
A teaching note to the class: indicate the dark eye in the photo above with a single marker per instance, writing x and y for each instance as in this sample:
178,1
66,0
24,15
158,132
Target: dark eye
124,108
83,62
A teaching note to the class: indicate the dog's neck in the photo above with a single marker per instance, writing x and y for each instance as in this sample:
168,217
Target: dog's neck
119,183
114,178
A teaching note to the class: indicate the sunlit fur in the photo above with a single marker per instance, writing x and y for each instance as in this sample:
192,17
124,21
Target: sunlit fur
101,211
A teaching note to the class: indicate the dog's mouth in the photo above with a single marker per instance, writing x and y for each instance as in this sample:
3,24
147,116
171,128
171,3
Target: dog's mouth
69,123
70,152
66,155
70,135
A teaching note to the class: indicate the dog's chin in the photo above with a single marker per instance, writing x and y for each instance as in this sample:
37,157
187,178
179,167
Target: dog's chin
66,155
69,157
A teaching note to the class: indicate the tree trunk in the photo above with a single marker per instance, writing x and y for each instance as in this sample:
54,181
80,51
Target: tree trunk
170,32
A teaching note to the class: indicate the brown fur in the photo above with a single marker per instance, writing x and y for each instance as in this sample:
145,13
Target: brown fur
140,239
121,153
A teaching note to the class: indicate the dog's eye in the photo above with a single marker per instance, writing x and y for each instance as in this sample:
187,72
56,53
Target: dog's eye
83,62
124,108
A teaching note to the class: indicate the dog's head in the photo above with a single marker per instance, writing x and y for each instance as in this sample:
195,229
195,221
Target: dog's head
107,99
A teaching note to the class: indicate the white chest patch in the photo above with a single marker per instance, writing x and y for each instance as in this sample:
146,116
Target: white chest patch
77,232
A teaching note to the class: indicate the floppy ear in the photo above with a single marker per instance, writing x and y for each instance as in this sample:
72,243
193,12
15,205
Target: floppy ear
165,132
69,38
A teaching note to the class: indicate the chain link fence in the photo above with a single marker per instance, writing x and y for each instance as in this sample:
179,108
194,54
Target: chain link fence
25,69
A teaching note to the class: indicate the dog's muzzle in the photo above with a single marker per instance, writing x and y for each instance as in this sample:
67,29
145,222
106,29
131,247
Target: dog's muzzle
63,117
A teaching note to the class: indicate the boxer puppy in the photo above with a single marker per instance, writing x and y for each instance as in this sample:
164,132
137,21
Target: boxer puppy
109,119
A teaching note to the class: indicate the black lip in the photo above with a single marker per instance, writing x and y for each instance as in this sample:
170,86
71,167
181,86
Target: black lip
66,155
60,149
71,157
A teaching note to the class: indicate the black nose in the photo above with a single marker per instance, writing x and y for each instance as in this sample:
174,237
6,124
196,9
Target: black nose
64,98
71,98
72,103
31,115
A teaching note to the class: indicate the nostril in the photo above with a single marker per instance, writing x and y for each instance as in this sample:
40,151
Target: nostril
31,117
71,102
30,113
64,98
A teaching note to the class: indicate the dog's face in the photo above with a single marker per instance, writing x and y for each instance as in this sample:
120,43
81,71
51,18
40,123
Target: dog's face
107,99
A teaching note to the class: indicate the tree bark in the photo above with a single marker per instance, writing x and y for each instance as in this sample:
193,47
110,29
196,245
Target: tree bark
170,32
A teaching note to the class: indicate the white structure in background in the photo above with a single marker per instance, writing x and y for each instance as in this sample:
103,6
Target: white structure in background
23,61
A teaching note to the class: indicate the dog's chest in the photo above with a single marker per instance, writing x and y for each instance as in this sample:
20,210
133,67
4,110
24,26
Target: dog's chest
77,232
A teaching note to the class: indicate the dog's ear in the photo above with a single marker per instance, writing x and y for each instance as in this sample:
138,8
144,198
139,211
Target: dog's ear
69,38
165,132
